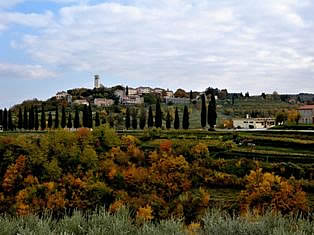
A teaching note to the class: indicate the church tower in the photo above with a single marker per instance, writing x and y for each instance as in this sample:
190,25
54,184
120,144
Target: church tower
96,81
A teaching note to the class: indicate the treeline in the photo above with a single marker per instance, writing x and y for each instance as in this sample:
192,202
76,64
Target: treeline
208,116
38,119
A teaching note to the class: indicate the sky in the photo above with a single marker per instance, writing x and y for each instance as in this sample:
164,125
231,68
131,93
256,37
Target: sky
258,46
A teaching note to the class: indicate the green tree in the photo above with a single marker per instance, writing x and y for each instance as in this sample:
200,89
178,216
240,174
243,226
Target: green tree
20,121
25,120
168,121
90,117
185,121
77,119
57,118
63,118
31,118
85,116
158,117
176,124
203,112
134,119
5,119
150,122
36,122
43,118
1,117
212,114
10,121
97,119
49,120
127,118
143,118
69,124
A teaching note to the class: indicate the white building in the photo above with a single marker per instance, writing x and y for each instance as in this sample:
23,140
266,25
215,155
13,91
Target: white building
169,94
132,91
158,90
253,123
64,96
132,100
143,90
81,102
174,100
307,114
103,102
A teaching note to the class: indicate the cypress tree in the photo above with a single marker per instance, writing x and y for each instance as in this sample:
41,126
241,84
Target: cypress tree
69,124
90,117
36,123
5,119
168,121
176,124
203,112
85,116
127,91
127,119
43,118
31,118
97,119
1,117
10,121
49,120
20,121
25,121
134,119
185,121
57,118
158,118
212,114
143,118
150,122
232,100
77,119
191,95
63,118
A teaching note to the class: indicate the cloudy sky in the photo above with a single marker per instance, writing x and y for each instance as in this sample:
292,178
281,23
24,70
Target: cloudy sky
242,45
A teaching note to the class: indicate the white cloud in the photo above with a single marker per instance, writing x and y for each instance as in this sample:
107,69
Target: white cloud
188,43
24,71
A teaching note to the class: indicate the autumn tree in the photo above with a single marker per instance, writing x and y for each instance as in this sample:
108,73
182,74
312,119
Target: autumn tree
143,118
185,121
180,93
127,118
176,124
294,116
63,118
150,122
158,116
203,112
212,114
20,119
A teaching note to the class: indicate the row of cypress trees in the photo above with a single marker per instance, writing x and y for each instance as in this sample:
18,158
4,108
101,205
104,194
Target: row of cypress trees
131,119
28,119
210,113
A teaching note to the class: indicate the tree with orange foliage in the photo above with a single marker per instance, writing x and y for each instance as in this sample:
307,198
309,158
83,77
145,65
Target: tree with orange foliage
266,191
